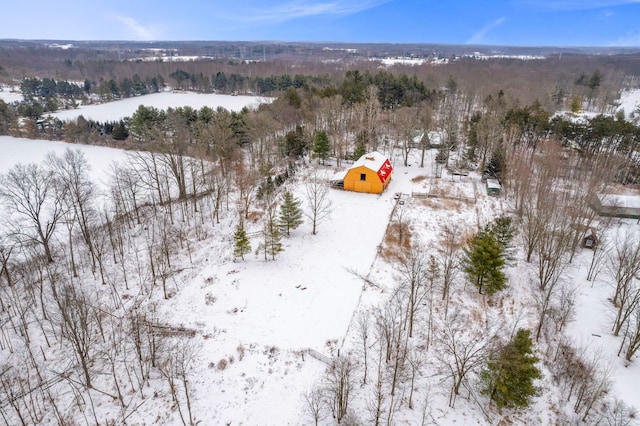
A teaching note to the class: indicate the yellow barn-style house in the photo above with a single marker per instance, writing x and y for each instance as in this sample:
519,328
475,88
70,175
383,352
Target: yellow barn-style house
371,174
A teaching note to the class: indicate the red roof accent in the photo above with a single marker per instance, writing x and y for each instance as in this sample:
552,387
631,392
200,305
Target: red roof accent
385,171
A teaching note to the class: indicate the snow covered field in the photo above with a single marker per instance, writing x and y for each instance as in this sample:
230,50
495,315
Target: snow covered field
9,94
116,110
20,150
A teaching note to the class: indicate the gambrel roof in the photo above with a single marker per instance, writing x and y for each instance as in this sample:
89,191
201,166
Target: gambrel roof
376,162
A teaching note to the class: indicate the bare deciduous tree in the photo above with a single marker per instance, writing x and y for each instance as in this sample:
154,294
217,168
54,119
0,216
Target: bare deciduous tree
246,183
397,320
448,113
585,380
126,192
366,117
150,174
339,382
175,367
316,191
425,116
432,278
632,335
564,310
71,174
552,258
402,221
260,127
77,321
594,385
376,403
416,361
405,122
449,260
32,196
460,350
413,270
624,263
362,327
628,303
598,257
617,413
314,404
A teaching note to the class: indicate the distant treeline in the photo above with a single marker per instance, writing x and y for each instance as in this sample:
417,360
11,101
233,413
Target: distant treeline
369,102
44,95
47,95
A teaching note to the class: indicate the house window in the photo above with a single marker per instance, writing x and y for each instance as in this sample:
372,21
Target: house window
363,176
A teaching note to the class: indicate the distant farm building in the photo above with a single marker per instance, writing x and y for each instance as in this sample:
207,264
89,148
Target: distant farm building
627,206
371,174
493,187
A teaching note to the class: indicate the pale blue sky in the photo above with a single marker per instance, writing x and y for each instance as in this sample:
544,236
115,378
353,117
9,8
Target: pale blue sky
499,22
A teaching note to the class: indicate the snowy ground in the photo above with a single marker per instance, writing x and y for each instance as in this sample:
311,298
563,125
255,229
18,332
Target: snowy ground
275,319
629,102
594,318
260,316
10,94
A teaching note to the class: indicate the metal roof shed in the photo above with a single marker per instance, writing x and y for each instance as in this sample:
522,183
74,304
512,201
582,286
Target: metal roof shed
493,187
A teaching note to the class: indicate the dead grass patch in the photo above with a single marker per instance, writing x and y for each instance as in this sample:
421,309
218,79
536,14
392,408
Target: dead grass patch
445,204
393,248
466,236
254,216
476,315
222,364
419,179
240,350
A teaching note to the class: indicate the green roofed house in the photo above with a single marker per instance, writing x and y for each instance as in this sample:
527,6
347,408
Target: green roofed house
493,187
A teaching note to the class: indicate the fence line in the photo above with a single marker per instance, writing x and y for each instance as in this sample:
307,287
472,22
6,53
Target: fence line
446,197
320,357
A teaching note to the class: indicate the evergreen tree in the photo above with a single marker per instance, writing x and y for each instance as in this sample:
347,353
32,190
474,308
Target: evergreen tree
472,136
271,233
361,147
120,131
7,118
496,164
508,378
321,145
504,231
241,244
295,144
290,213
483,262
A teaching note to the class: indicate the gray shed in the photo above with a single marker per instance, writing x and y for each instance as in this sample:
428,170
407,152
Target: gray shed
627,206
